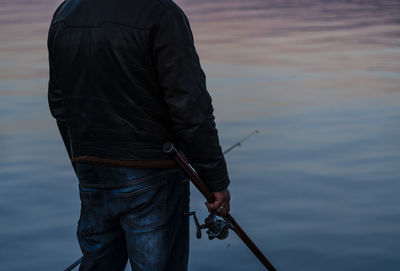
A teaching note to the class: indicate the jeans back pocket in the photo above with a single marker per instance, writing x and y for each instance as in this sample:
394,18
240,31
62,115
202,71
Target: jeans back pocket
145,206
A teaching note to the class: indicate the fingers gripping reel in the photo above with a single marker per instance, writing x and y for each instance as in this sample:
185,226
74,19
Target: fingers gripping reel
216,227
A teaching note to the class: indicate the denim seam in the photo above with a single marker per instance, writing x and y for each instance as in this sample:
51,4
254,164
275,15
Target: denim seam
128,183
139,191
164,206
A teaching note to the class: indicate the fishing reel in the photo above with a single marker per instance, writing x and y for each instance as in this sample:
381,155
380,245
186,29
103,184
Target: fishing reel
216,227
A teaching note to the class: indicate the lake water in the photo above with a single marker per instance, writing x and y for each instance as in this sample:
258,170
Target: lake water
318,187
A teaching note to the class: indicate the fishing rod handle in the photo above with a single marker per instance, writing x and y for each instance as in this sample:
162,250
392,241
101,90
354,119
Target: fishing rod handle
189,170
249,243
169,148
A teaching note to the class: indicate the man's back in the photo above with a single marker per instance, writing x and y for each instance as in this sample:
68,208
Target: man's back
125,78
107,78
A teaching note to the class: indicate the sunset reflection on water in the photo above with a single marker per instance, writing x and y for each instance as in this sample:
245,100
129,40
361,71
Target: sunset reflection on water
317,189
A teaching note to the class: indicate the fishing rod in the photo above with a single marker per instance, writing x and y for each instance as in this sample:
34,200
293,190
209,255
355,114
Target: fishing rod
216,228
210,219
239,143
75,264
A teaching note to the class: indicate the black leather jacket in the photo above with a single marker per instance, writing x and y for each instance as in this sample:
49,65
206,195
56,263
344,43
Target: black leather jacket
125,78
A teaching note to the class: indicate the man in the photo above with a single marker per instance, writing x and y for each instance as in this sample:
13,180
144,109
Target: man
124,79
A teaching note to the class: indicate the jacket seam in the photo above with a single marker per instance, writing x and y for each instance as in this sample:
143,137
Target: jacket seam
100,25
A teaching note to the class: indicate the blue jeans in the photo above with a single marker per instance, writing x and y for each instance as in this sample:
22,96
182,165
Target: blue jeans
133,213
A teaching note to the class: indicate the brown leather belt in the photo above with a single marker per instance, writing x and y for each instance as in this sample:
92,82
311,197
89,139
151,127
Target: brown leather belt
125,163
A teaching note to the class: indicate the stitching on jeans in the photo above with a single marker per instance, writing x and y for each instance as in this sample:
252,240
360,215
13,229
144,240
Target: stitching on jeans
164,211
128,183
140,191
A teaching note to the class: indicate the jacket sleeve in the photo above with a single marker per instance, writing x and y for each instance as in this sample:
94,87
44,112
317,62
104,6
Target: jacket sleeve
189,105
55,97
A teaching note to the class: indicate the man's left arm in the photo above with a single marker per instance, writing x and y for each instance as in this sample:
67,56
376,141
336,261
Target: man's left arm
55,96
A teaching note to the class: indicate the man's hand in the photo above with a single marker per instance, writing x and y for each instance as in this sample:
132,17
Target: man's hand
221,204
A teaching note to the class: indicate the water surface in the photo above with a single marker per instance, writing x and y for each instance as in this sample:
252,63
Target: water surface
317,189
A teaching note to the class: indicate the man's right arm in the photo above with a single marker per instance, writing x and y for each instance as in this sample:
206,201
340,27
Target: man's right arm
189,104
